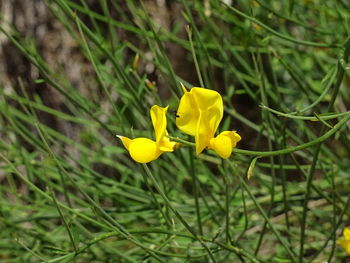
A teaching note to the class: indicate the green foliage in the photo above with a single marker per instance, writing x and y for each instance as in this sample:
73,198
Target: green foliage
70,192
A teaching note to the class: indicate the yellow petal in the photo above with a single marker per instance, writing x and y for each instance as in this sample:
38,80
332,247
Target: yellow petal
143,150
165,145
188,114
222,145
224,142
199,101
235,137
202,137
158,116
207,98
346,233
213,118
125,140
344,244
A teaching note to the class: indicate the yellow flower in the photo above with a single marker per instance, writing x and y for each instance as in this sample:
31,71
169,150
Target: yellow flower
144,150
345,241
199,114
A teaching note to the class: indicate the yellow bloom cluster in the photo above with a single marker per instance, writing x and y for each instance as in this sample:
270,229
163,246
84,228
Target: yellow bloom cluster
199,114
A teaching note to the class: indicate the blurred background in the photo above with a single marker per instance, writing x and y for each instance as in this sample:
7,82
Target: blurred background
74,73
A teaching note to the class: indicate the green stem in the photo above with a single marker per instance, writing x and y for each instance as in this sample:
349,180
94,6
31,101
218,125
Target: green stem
316,153
274,32
318,140
165,216
111,222
195,192
177,214
284,243
309,118
189,33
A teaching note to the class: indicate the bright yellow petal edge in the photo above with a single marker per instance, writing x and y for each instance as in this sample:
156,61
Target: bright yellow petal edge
345,241
144,150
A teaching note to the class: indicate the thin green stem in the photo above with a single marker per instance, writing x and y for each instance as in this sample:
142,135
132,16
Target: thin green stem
195,191
318,140
282,240
189,33
277,34
177,214
311,172
319,117
113,223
